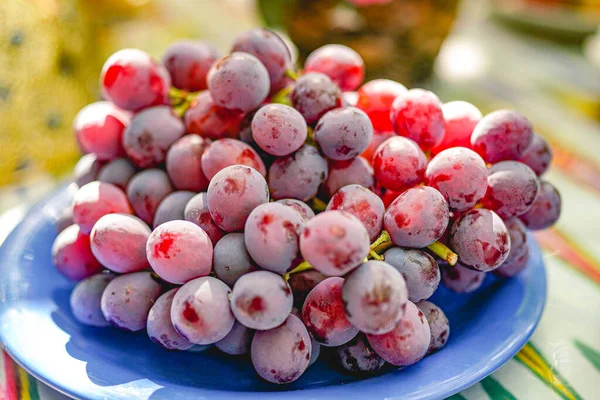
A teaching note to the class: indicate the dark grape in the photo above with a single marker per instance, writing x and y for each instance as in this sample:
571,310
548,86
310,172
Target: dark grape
160,328
118,172
188,63
314,94
343,133
343,65
399,163
518,239
146,190
538,155
85,299
512,268
237,341
231,258
461,279
86,170
358,357
303,282
172,207
184,163
545,210
419,269
439,326
342,173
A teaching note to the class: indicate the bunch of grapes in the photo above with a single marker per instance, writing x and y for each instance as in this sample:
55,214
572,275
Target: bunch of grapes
238,202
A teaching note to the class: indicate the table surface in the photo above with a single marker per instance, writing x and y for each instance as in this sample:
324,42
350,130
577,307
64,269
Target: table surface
559,91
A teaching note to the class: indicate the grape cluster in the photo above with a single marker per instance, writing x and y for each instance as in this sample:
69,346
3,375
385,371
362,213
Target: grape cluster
238,202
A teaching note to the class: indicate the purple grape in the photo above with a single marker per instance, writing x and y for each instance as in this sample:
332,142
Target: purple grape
64,219
545,209
408,342
358,357
278,129
538,155
128,298
146,190
196,211
200,311
86,170
179,251
460,175
226,152
239,82
375,296
237,341
150,134
518,239
461,279
334,242
419,269
363,204
159,326
188,63
303,282
439,326
480,239
118,172
512,188
324,316
233,193
282,354
119,242
72,255
314,95
261,300
172,207
502,135
512,268
300,207
85,299
184,163
208,120
271,235
343,133
343,65
231,259
96,199
351,172
315,350
417,218
298,175
399,163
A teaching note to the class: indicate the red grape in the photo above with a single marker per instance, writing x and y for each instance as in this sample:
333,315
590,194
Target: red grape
278,129
86,170
343,133
208,120
226,152
378,138
518,239
343,65
376,98
314,94
439,325
538,155
95,200
184,163
342,173
419,269
196,211
160,328
399,163
300,207
72,255
363,204
460,119
146,190
460,279
188,63
512,268
303,282
545,209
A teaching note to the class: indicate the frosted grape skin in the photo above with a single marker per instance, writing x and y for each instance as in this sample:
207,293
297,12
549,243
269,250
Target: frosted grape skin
238,340
85,299
419,269
72,255
146,190
96,199
172,207
159,326
231,259
196,211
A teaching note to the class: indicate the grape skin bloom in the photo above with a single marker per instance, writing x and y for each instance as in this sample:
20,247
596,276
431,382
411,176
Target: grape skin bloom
85,299
160,328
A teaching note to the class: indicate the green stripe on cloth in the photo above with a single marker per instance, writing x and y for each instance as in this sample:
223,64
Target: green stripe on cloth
495,390
592,355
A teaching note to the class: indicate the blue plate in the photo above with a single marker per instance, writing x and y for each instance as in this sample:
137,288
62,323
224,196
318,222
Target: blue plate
38,330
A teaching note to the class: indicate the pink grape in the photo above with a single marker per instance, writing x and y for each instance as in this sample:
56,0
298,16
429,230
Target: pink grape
545,210
302,283
96,199
237,341
118,172
342,173
419,270
85,299
460,119
184,163
278,129
159,326
343,65
179,251
72,256
363,204
343,133
439,325
314,94
231,258
461,279
358,357
86,170
300,207
172,207
538,155
205,118
118,241
196,211
188,63
375,98
146,190
226,152
399,163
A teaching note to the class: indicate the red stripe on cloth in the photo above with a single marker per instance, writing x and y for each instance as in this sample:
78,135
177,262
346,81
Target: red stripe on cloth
10,384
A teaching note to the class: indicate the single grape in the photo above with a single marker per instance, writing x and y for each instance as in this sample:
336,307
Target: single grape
460,279
419,270
127,299
417,218
315,349
399,163
278,129
118,241
334,242
237,341
349,99
417,115
378,138
172,207
324,316
72,255
226,152
358,357
300,207
146,190
342,173
480,239
538,155
314,94
343,133
460,175
160,328
343,65
270,49
188,62
239,82
375,297
233,193
200,311
261,300
231,258
196,211
99,128
179,251
118,172
363,204
545,209
282,354
376,98
502,135
298,175
460,119
86,170
271,234
96,199
518,239
150,134
64,219
208,120
512,189
439,326
302,283
132,80
512,268
184,163
85,299
408,342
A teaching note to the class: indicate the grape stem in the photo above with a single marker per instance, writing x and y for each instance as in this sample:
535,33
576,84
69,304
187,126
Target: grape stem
290,73
318,205
181,100
444,252
283,96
